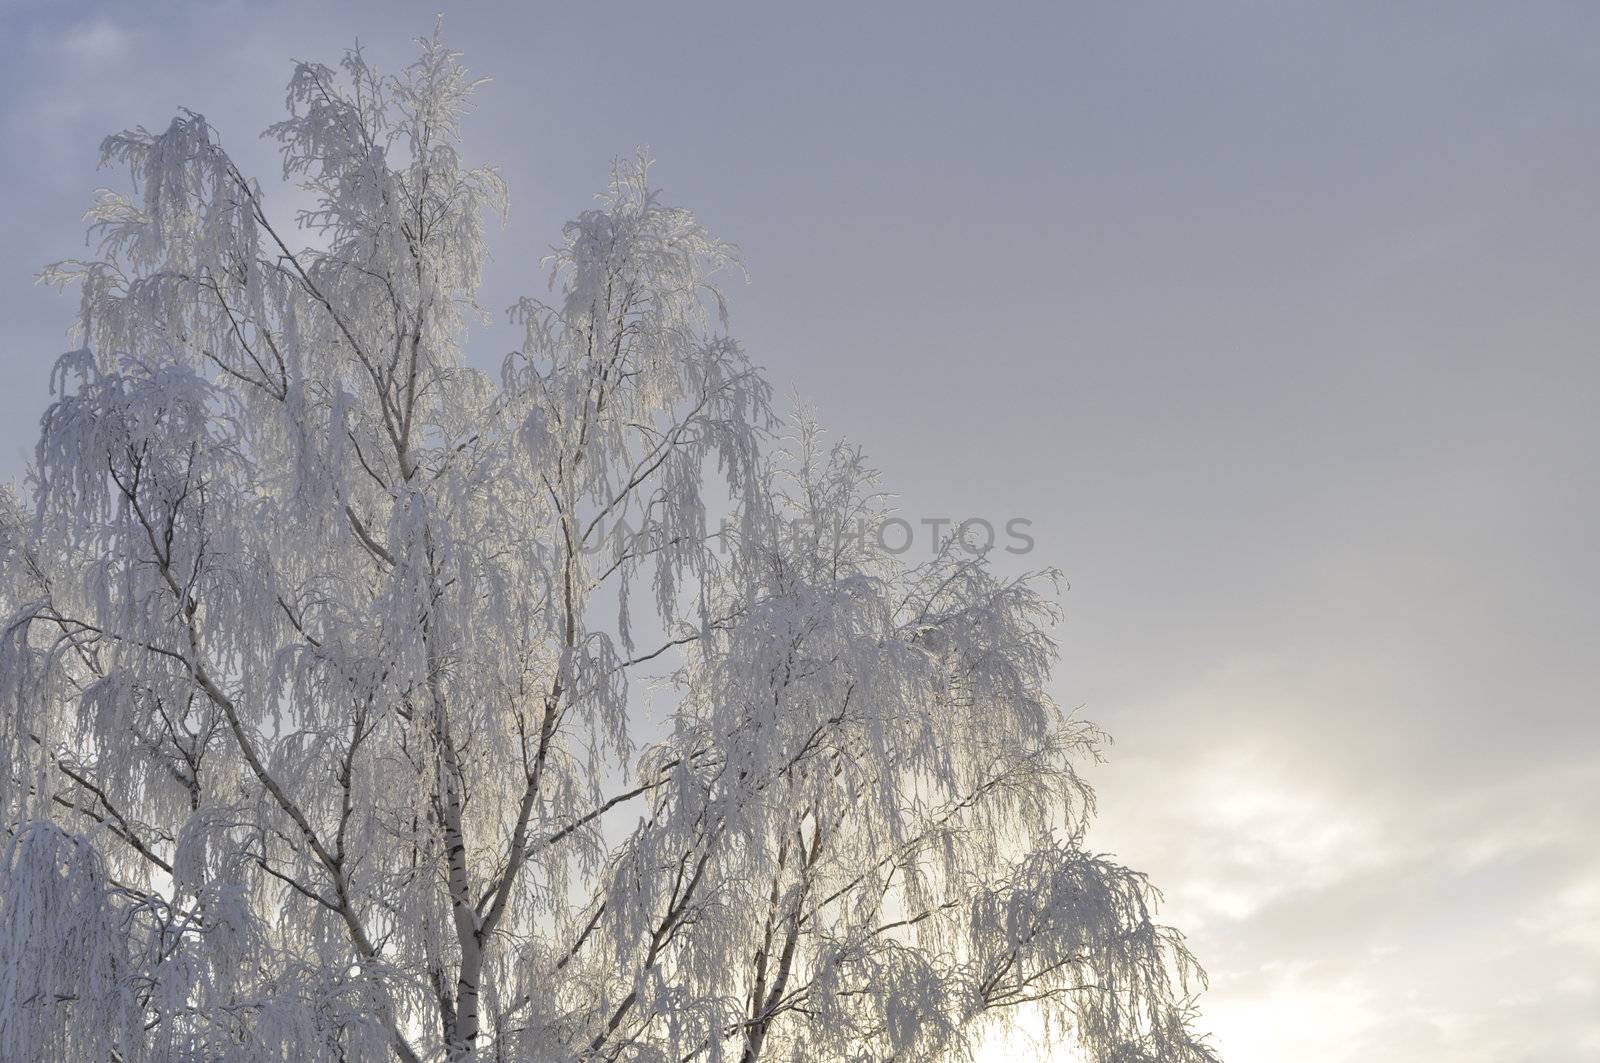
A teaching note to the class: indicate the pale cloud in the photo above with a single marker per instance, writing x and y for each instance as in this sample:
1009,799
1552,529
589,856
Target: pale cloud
1300,1018
96,41
1348,911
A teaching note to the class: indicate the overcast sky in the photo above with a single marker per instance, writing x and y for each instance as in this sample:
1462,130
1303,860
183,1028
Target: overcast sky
1279,321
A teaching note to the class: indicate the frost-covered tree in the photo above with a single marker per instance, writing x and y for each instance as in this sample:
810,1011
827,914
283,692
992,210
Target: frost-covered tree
325,729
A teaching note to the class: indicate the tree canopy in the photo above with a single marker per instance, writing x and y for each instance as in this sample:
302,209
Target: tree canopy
342,723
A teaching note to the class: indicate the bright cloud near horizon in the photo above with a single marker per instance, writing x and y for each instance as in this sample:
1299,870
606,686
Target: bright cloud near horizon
1276,321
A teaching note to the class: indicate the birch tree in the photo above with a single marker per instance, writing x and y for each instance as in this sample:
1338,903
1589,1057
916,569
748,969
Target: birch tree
363,705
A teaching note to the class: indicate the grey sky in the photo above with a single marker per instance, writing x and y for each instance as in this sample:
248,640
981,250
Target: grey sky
1278,320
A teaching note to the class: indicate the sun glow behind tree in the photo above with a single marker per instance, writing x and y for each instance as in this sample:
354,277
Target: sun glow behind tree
319,689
